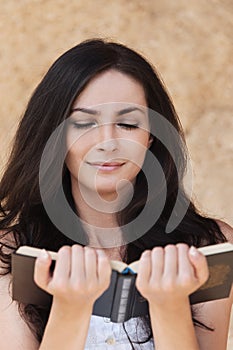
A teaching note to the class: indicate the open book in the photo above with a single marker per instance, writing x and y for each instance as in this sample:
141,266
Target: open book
122,300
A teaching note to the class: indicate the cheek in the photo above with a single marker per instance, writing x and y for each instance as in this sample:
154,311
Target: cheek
137,147
135,158
75,155
78,146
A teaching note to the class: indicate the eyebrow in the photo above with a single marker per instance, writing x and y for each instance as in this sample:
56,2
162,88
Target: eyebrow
94,112
129,109
85,110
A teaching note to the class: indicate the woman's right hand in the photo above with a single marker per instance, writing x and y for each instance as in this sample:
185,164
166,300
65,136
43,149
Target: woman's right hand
80,276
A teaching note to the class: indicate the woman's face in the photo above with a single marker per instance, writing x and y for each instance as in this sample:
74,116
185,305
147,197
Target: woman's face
107,134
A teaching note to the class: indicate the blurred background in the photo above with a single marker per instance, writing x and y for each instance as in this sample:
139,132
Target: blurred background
189,42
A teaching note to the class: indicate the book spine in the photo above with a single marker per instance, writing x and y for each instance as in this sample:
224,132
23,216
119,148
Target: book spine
140,306
103,305
123,298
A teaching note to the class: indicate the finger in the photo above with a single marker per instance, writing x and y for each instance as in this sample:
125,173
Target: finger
185,267
170,261
77,263
144,270
63,264
199,263
157,258
90,264
104,269
41,269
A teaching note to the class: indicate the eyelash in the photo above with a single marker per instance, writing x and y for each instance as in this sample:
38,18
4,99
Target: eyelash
128,126
83,126
122,125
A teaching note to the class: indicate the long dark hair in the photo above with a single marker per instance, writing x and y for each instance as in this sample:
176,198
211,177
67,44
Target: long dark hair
22,211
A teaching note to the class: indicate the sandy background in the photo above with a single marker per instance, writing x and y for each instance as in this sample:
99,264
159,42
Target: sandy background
190,42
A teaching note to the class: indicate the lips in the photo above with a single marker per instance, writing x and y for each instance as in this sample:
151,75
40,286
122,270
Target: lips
107,166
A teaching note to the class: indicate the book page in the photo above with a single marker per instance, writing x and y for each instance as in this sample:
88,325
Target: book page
34,252
216,248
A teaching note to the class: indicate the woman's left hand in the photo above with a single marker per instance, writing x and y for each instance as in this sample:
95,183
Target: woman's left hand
168,275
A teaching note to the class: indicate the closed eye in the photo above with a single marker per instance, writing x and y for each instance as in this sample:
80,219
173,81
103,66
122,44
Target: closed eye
92,124
84,125
128,126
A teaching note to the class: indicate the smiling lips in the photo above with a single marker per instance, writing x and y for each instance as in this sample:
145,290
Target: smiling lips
106,166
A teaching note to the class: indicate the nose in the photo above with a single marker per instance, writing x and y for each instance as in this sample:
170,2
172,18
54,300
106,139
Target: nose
107,139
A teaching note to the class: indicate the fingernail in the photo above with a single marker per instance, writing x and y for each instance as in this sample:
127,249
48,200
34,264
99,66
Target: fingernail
100,251
43,255
145,254
193,251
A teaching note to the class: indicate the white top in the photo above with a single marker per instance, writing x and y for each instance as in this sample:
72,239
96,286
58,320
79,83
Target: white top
106,335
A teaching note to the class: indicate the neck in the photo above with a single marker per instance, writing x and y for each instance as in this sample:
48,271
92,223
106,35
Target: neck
100,225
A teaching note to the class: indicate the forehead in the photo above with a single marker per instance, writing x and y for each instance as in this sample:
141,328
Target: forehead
111,86
115,109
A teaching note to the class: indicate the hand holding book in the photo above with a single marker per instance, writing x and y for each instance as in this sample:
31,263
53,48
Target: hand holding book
171,273
122,299
80,275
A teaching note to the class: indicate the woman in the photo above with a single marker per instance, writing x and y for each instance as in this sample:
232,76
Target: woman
89,137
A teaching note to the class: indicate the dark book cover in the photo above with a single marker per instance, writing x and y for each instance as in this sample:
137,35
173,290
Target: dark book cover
219,283
116,303
122,301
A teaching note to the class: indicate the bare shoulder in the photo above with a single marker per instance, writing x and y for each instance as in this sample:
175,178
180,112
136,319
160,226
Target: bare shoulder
14,330
226,229
17,334
216,314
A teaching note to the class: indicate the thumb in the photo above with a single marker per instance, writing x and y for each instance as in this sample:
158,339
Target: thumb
41,269
199,262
